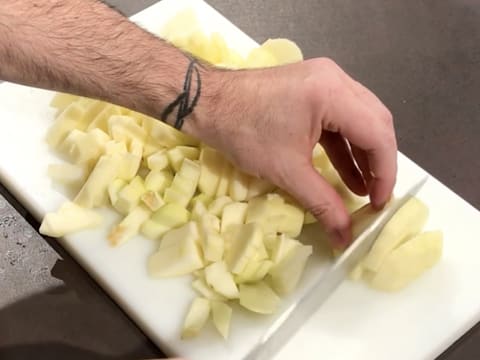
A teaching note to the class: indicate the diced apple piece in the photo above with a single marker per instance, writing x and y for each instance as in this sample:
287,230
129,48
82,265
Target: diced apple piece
211,164
67,174
152,200
100,121
198,210
254,271
407,262
131,161
165,135
260,209
233,214
283,50
129,196
70,118
94,191
158,160
151,147
61,100
125,128
224,181
169,216
80,147
221,316
283,246
113,147
218,277
173,196
258,187
287,273
68,219
203,198
158,180
114,188
178,153
244,244
216,206
407,222
129,226
238,187
260,58
182,258
188,231
259,298
292,223
201,286
212,243
197,317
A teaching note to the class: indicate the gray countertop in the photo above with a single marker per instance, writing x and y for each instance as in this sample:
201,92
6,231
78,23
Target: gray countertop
422,57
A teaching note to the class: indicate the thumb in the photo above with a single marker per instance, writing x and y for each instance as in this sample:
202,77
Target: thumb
317,196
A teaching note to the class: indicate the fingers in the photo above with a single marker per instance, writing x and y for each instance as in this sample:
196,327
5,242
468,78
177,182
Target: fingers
317,196
362,162
340,155
372,133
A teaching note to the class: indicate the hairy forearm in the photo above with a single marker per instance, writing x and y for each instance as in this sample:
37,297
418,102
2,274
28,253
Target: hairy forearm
86,48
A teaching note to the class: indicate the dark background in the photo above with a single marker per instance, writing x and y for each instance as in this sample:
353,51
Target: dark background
422,58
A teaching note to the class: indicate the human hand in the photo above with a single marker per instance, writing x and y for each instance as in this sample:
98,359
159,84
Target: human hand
267,122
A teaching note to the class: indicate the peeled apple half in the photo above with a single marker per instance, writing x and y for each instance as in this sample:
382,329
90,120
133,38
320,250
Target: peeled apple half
235,234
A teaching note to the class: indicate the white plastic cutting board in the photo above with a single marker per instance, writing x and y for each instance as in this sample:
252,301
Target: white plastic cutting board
356,322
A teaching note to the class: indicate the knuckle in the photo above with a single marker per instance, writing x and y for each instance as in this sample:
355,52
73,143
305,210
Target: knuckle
321,210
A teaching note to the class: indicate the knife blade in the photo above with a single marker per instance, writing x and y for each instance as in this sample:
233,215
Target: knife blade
288,323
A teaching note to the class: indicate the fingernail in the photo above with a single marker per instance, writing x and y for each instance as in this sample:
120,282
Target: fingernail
340,239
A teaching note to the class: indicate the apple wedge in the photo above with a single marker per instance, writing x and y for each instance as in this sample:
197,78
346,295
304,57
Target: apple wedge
196,318
259,298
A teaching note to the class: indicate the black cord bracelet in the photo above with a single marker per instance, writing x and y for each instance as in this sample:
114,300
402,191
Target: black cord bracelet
185,107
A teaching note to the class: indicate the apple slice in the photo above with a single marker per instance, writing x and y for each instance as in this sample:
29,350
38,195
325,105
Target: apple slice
211,164
245,242
233,214
287,273
94,191
201,286
100,121
67,174
158,160
158,180
407,222
216,206
81,148
68,219
125,128
221,316
180,258
238,187
178,153
259,298
203,198
114,188
152,200
61,100
282,247
218,277
165,135
408,261
196,318
224,180
130,163
186,232
129,196
283,50
260,58
129,226
254,271
212,243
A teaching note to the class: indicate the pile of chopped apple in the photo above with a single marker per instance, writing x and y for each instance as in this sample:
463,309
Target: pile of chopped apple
236,234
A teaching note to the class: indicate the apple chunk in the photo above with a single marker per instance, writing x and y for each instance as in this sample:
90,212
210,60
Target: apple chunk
218,277
196,318
287,273
259,298
406,222
180,258
68,219
129,226
408,261
221,316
